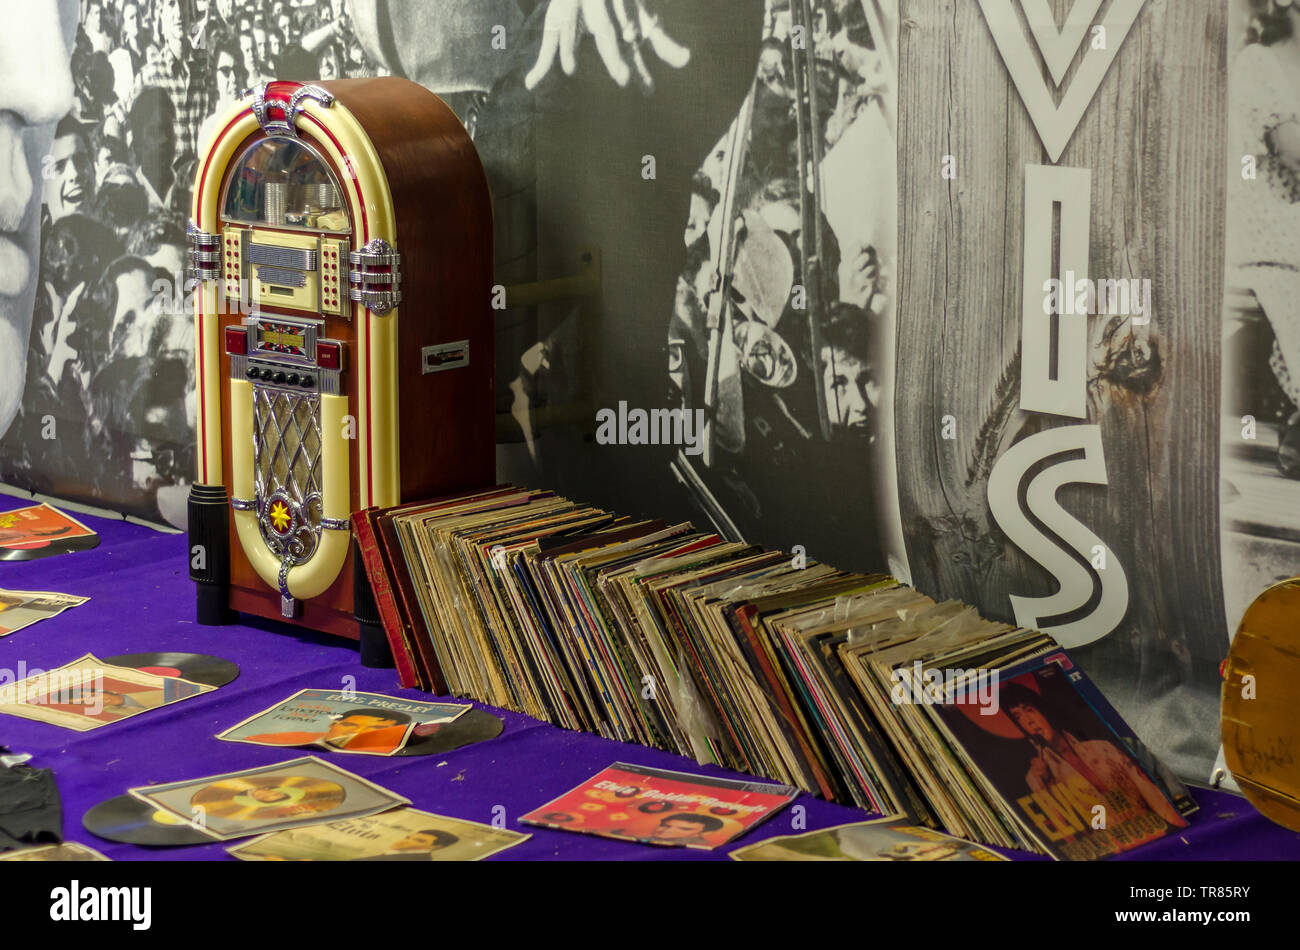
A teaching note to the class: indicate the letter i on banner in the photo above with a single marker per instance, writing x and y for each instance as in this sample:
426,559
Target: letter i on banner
1053,377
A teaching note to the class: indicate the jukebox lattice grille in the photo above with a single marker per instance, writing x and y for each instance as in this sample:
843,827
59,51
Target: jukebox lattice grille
286,470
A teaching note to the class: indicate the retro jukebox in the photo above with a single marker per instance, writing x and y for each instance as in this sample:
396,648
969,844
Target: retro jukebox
342,243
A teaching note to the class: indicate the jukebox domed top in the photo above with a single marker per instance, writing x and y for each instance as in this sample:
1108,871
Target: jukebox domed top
284,183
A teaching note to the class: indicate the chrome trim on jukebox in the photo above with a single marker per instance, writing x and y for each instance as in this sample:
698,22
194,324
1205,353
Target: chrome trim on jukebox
288,603
375,276
258,348
285,127
243,504
288,258
329,382
270,274
336,524
287,449
204,257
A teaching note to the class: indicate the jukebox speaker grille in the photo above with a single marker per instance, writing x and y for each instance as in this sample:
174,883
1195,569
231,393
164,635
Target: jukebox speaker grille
286,471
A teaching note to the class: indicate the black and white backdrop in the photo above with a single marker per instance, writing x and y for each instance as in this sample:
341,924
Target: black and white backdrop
801,221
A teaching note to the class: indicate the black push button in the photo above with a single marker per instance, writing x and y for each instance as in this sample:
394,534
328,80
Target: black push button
278,378
308,382
292,380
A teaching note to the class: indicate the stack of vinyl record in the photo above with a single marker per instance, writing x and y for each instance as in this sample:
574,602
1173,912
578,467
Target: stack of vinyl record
850,686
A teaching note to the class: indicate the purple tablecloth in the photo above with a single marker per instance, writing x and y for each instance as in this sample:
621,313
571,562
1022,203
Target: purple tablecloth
142,601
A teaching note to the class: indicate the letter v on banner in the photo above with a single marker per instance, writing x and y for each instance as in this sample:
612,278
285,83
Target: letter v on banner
1055,123
1058,46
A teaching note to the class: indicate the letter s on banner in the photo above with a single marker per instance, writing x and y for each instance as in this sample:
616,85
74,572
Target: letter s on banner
1077,582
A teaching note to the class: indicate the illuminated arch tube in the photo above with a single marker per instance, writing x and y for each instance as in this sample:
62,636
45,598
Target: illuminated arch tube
341,138
320,571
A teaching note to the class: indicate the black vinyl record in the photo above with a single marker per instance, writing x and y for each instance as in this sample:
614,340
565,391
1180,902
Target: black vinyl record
131,821
195,667
31,552
474,726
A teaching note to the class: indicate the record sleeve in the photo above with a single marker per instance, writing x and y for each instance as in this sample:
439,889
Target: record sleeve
654,806
402,834
89,693
270,798
886,839
67,851
41,531
22,608
351,722
1059,767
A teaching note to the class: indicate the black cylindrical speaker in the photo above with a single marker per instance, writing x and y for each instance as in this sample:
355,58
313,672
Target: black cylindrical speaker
209,553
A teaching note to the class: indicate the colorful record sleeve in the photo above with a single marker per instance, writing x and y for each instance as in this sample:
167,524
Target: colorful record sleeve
22,608
1070,781
272,798
68,851
887,839
1161,774
40,531
89,693
654,806
360,723
403,834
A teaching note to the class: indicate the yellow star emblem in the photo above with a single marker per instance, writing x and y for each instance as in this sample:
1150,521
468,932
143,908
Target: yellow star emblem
280,516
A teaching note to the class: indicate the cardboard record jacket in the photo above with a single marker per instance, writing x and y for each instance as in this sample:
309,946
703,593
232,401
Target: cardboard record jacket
475,726
41,531
131,821
195,667
30,551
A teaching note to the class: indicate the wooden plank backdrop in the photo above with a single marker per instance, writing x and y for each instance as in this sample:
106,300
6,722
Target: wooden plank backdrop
1154,139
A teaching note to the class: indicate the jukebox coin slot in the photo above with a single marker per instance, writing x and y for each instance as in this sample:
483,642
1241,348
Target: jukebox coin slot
444,356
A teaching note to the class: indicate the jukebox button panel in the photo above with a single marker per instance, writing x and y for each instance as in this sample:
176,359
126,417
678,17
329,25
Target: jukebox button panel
275,351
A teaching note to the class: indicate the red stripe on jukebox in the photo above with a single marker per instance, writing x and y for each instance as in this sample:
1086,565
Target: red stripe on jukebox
363,329
203,223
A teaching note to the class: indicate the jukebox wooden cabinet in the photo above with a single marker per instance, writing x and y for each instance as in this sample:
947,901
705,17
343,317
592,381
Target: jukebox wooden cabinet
342,243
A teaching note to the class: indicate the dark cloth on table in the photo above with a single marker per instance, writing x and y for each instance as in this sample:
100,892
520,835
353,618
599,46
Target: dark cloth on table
30,811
